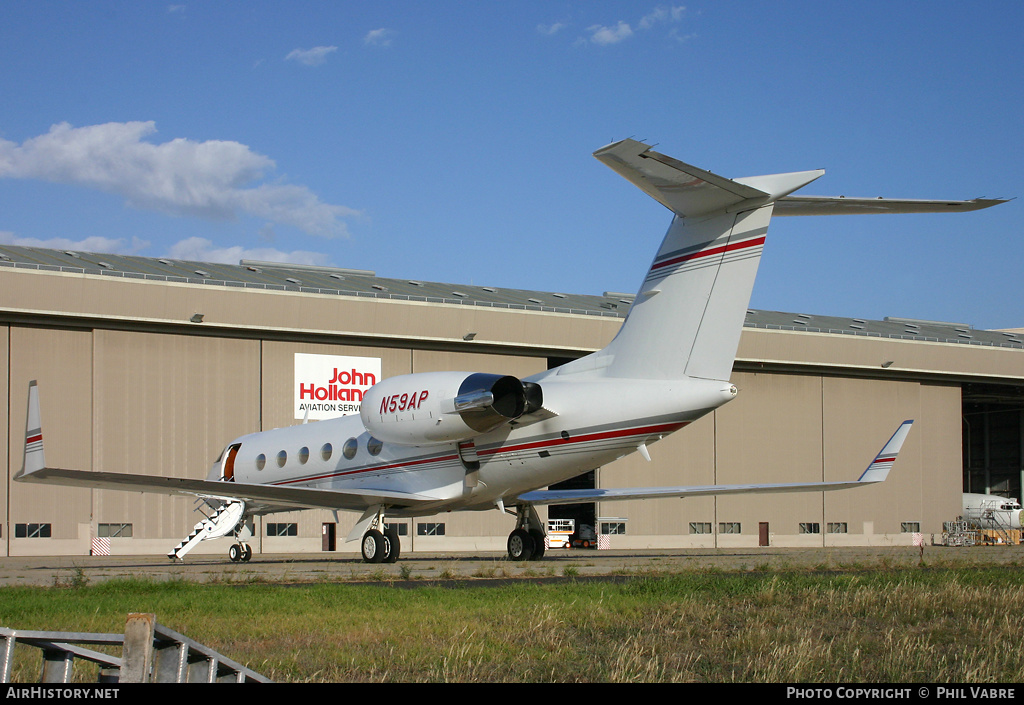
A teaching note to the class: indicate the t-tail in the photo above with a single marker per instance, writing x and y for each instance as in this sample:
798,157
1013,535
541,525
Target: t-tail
686,319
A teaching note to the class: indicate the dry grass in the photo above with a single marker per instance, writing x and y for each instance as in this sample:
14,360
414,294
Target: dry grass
945,625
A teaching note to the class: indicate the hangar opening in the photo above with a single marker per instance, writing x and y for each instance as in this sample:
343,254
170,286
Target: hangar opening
993,439
582,515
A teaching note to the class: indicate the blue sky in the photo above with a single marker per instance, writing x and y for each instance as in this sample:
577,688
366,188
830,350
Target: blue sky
451,141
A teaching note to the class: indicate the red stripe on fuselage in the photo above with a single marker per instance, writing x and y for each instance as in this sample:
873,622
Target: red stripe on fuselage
534,445
34,439
586,438
731,247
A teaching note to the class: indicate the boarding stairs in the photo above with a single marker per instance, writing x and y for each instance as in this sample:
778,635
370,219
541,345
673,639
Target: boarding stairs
999,529
222,522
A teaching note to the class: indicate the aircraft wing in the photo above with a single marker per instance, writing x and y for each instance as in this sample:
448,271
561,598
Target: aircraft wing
876,471
261,498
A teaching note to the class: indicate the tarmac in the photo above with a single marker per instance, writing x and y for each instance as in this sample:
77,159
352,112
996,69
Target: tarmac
417,568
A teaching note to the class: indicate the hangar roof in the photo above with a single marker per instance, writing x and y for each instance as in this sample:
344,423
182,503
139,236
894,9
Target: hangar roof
364,283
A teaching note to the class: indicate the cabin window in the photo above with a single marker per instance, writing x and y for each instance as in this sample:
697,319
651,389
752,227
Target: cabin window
350,448
303,455
326,451
282,458
261,461
374,446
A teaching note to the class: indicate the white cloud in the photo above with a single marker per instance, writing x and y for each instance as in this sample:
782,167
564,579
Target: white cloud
550,29
378,37
662,14
200,249
107,245
211,179
606,35
600,34
311,57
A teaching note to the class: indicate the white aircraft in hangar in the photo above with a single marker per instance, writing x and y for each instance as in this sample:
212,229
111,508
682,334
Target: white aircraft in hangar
990,511
452,441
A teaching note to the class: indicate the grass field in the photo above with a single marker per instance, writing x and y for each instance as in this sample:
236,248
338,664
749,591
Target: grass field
906,625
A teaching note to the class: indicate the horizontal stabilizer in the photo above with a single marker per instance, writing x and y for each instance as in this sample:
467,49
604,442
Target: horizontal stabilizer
840,205
877,471
690,191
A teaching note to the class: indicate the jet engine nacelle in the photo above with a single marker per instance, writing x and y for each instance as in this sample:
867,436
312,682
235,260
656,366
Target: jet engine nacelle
442,407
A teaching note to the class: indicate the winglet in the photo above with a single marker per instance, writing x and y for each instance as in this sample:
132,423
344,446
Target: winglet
34,460
879,468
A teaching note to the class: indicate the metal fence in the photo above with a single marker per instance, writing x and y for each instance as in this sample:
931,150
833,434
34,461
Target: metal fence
150,653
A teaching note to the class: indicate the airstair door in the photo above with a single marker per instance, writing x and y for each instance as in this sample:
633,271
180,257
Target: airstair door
228,468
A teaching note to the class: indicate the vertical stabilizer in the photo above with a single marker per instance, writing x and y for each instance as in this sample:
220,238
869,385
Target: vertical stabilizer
687,317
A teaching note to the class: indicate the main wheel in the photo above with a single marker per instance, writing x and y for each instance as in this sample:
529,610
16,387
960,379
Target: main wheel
246,552
538,544
235,553
394,547
375,546
520,545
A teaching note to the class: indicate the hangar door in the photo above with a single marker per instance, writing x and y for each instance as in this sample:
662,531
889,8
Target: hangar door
993,439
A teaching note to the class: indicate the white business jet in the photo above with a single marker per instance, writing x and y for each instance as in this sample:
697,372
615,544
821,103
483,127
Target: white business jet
451,441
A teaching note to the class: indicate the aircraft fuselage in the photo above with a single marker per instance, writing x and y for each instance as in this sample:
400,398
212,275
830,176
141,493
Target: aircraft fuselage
609,419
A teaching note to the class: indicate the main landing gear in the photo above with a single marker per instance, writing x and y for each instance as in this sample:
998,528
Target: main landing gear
240,552
381,547
380,542
526,542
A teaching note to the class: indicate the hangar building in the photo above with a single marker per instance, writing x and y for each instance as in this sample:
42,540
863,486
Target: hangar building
154,365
